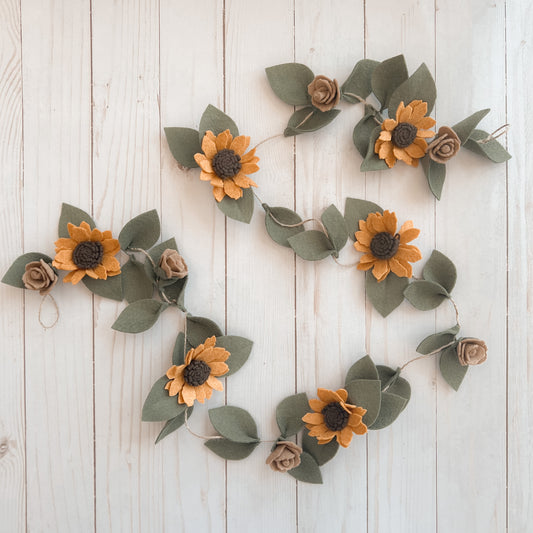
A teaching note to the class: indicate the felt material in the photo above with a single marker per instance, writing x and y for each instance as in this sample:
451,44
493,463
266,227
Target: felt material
39,276
359,81
387,77
398,385
471,351
425,295
289,413
234,423
364,368
176,292
232,451
492,149
75,216
135,282
324,92
14,274
365,393
290,81
386,295
321,453
441,270
139,316
419,86
372,162
173,424
391,407
183,144
312,245
108,288
450,368
356,210
317,120
437,340
278,233
199,329
239,349
159,405
141,231
466,127
445,145
335,226
173,265
308,471
285,456
241,209
435,174
364,128
178,354
155,254
216,121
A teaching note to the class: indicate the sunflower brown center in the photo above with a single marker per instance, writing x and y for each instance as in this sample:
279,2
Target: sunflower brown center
226,163
404,134
196,373
384,245
335,416
88,254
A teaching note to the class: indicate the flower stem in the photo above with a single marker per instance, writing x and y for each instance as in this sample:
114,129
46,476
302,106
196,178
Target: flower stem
268,139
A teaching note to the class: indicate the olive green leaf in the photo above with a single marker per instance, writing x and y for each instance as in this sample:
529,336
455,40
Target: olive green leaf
492,149
425,295
139,316
157,274
391,407
75,216
321,453
365,393
241,209
311,245
289,413
364,368
199,329
184,143
335,226
356,210
108,288
364,128
289,81
159,405
232,451
14,274
393,382
451,369
234,423
141,231
433,342
178,354
308,471
385,295
372,162
279,233
135,282
465,128
387,77
441,270
174,423
435,175
239,349
216,121
359,81
309,119
175,292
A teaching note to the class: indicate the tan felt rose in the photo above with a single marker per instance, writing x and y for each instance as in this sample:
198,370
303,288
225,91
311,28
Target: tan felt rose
173,265
471,352
445,145
325,94
39,276
286,456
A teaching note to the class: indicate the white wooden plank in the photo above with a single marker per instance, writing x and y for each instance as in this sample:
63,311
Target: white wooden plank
471,424
12,414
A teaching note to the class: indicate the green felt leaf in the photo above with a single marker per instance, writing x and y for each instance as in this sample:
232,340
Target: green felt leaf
232,451
173,424
155,253
178,354
308,471
398,385
108,288
14,274
335,226
309,119
311,245
289,81
241,209
465,128
391,407
433,342
176,291
141,231
289,413
139,316
234,423
356,210
435,174
372,162
278,233
159,405
365,393
321,453
385,295
239,348
492,149
359,81
387,77
364,128
216,121
135,282
199,329
364,368
441,270
425,295
451,369
419,86
183,144
75,216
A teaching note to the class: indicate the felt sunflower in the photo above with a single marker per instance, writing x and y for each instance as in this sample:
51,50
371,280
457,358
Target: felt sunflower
87,252
385,250
405,137
196,379
225,164
334,418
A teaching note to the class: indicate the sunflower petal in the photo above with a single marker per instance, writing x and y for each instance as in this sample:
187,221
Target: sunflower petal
205,164
240,144
390,221
216,181
381,269
110,263
409,253
345,436
389,124
419,110
409,235
313,418
363,237
361,429
415,151
218,193
218,369
214,383
209,147
328,396
317,405
74,277
65,244
244,181
397,268
224,140
232,190
188,394
111,246
343,394
78,234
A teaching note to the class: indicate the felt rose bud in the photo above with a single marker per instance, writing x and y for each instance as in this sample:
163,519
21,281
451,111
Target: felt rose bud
325,94
39,276
445,145
285,456
471,352
173,265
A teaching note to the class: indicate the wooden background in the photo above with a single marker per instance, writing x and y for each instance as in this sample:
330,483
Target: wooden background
86,88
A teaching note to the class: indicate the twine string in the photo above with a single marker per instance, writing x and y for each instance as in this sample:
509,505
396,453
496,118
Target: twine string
48,326
268,139
502,130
